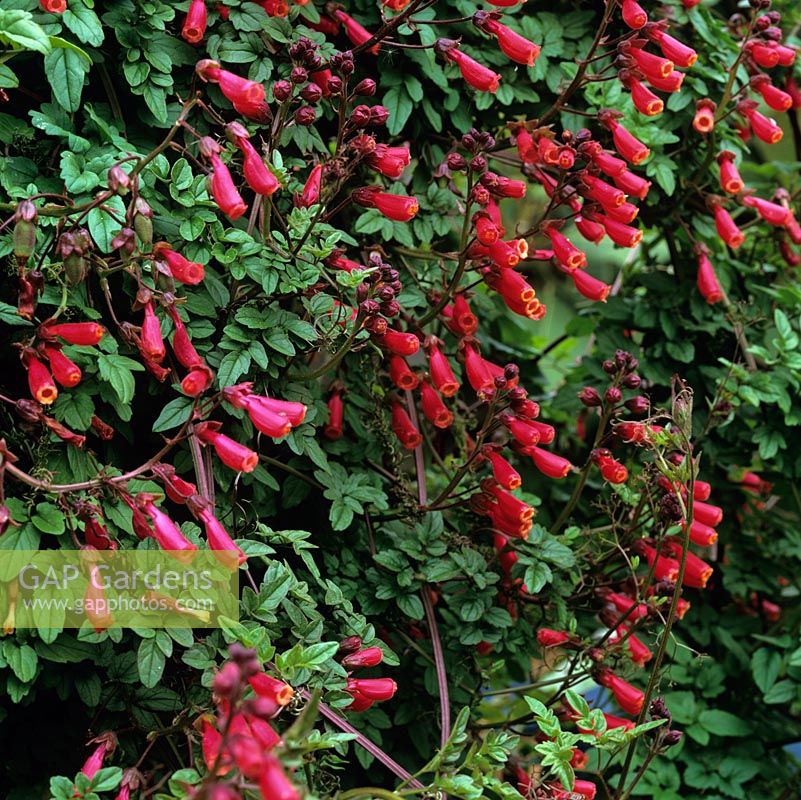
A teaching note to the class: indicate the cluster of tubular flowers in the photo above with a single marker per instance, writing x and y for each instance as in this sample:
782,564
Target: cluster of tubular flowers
642,71
364,691
47,348
593,184
238,741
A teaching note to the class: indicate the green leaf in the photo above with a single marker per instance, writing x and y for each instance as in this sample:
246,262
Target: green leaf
400,106
66,71
18,28
102,225
118,371
48,518
8,80
765,667
232,367
150,662
174,414
83,22
723,723
22,659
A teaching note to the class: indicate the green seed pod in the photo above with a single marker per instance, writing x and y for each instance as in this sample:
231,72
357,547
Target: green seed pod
24,240
144,229
75,269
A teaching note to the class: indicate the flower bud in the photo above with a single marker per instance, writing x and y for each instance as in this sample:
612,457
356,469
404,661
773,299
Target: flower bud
282,90
305,116
609,367
590,397
613,395
365,88
379,116
298,75
118,180
456,162
312,93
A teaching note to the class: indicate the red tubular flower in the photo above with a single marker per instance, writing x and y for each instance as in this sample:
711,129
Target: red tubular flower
624,213
775,98
707,281
105,745
622,235
354,31
368,657
628,145
501,186
568,255
503,472
224,191
58,6
463,316
271,688
336,413
727,228
702,490
486,230
581,789
435,410
696,571
440,370
765,54
786,55
523,430
403,427
638,652
81,333
481,78
401,375
166,532
772,213
240,91
632,432
311,189
273,782
764,128
511,506
152,343
396,207
548,463
40,381
182,346
230,452
478,375
194,28
628,697
603,193
65,370
609,164
703,535
389,161
526,148
707,513
704,119
257,174
176,488
634,15
632,184
645,101
665,569
650,64
181,268
547,637
611,470
547,432
220,541
268,420
515,46
671,84
623,603
376,689
678,52
399,343
591,231
730,180
511,285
